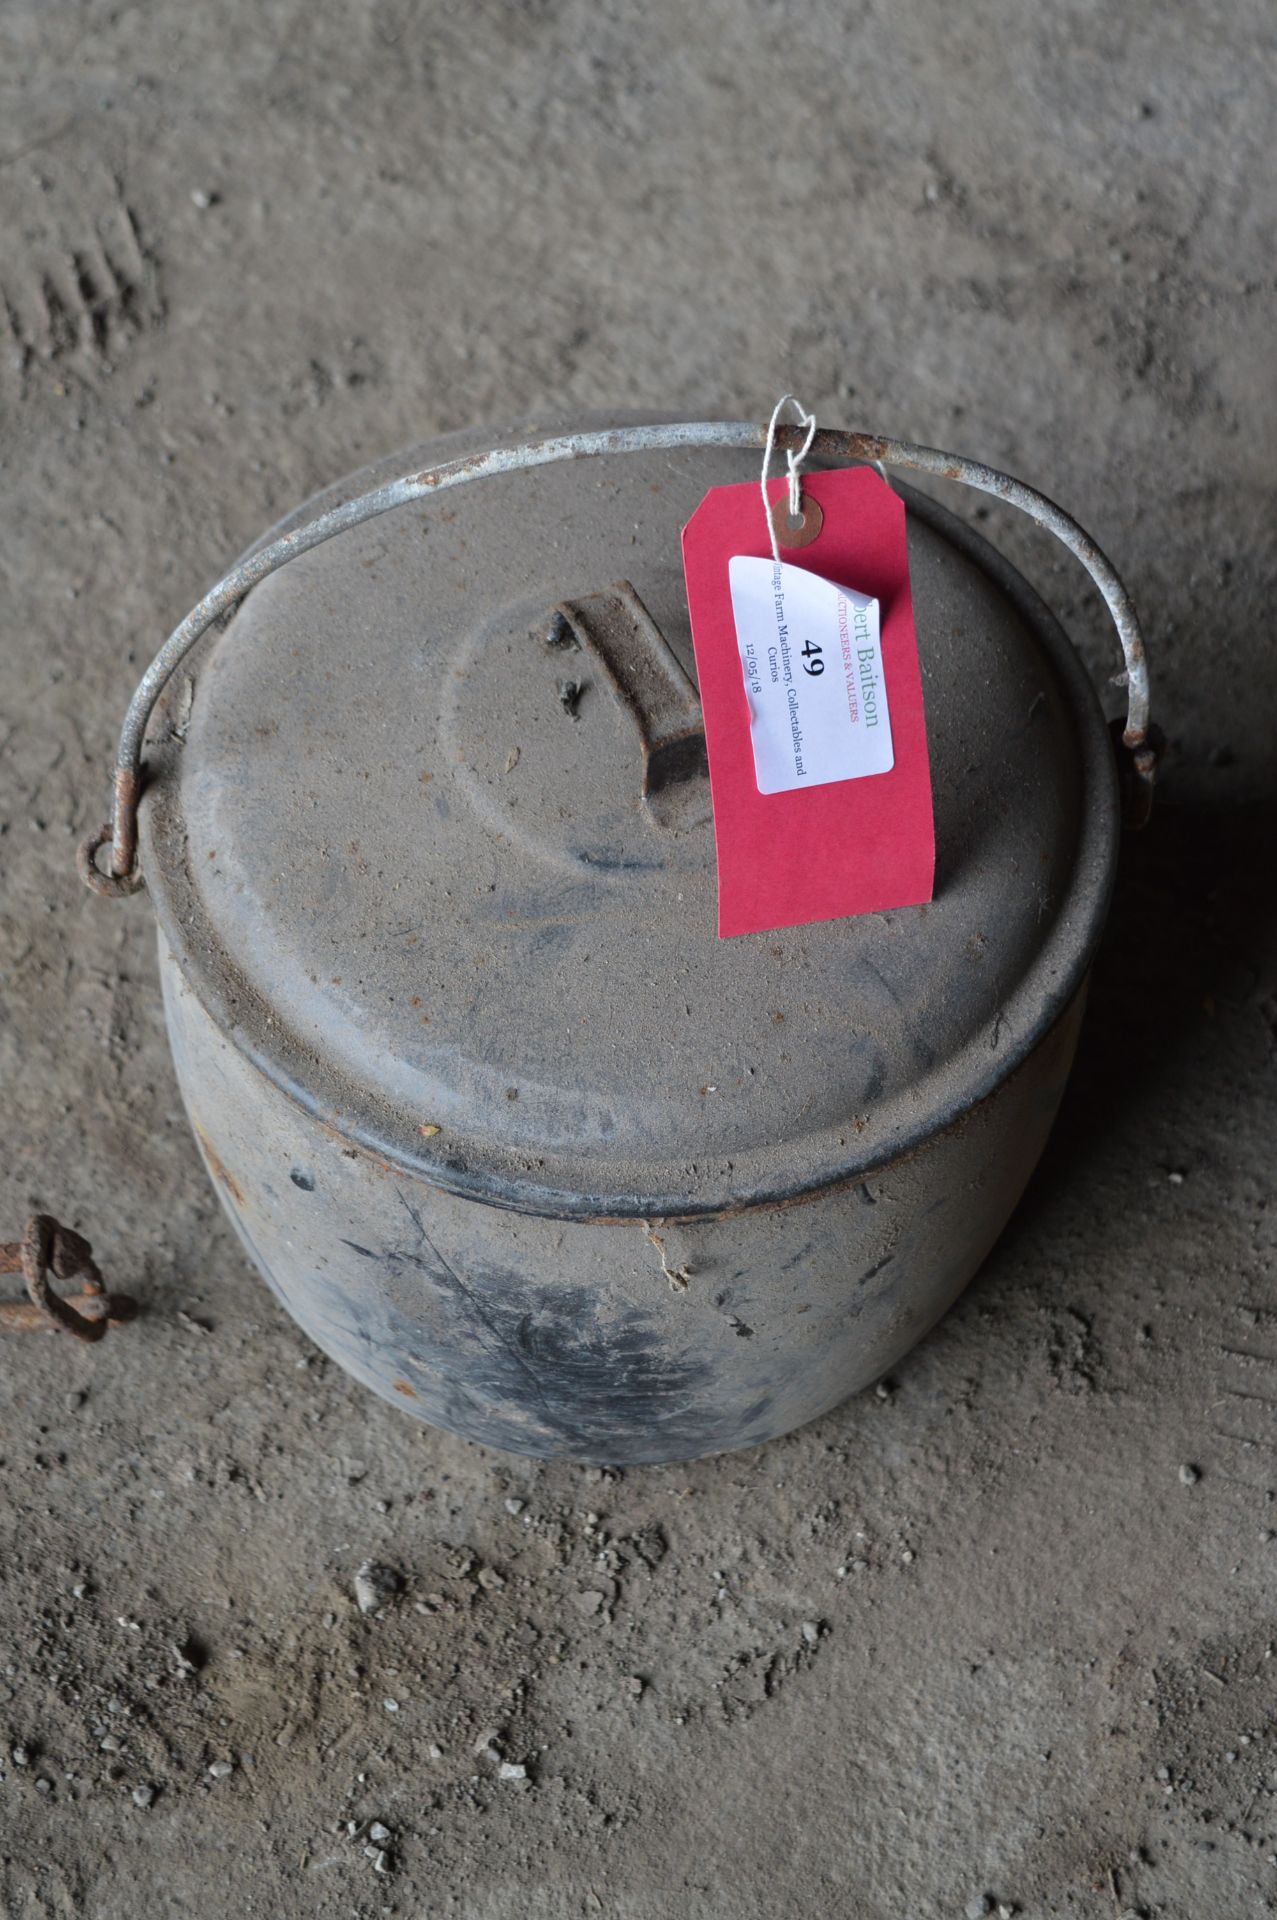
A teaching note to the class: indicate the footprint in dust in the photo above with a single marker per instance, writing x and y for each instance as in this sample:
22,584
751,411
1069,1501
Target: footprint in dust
78,282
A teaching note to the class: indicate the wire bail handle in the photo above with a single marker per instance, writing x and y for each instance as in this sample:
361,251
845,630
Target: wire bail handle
798,443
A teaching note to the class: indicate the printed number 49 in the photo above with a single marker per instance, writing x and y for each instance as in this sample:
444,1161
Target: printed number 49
814,664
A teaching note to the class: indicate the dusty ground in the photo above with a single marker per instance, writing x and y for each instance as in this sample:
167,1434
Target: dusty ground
976,1639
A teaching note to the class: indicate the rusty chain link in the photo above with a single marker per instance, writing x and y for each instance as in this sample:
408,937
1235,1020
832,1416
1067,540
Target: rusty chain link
48,1248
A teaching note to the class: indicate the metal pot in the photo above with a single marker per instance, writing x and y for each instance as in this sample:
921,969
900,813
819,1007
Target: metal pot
509,1131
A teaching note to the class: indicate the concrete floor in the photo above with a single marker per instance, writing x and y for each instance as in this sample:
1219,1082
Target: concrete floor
245,248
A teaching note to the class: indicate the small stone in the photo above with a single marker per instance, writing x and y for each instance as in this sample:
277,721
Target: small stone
379,1832
977,1908
220,1768
515,1506
330,1620
635,1685
43,1785
109,1743
20,1757
381,1862
512,1770
1175,1177
376,1586
204,198
391,1706
811,1632
490,1579
1189,1474
144,1795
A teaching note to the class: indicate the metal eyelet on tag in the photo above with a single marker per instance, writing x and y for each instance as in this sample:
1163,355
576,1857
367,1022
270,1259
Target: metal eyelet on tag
802,531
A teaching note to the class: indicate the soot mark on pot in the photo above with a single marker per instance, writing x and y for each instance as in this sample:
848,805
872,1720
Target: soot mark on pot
605,860
796,1259
875,1080
552,940
301,1178
924,1052
572,1385
493,1337
877,1268
555,903
868,1059
723,1301
348,1319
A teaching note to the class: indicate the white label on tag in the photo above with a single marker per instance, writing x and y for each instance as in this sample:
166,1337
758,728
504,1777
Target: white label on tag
812,660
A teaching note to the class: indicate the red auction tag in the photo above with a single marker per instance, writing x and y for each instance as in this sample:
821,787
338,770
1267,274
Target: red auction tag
812,700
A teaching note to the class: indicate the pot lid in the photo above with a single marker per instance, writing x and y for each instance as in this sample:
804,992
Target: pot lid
433,844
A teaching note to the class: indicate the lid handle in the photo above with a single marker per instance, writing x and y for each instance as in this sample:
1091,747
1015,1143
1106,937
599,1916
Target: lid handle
643,674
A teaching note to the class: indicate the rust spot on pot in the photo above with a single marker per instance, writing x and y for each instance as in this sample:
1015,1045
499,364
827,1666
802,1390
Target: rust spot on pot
217,1166
401,1386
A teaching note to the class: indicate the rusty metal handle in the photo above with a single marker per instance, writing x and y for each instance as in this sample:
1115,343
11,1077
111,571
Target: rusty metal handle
827,444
